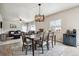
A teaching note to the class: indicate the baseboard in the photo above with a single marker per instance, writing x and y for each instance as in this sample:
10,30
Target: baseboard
59,41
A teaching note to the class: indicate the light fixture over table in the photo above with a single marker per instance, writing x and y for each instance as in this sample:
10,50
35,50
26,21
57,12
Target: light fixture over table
39,17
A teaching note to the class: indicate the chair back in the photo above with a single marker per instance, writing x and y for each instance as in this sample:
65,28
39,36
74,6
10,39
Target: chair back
51,34
48,35
23,37
45,36
42,35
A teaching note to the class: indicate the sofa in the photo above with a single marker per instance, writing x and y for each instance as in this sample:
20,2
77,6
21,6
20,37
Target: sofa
15,34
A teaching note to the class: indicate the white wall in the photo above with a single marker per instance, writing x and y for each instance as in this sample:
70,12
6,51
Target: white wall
6,25
0,21
0,18
69,19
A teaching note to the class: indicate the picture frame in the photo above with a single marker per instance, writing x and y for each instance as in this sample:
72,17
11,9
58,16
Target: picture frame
12,26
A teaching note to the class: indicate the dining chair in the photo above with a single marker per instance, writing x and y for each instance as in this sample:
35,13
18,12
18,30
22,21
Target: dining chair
39,40
26,42
44,41
52,35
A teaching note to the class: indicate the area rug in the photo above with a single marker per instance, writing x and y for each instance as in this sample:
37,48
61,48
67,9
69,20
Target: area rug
16,50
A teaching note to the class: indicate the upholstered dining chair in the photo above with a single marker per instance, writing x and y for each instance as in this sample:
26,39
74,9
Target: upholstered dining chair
52,35
26,42
44,41
39,40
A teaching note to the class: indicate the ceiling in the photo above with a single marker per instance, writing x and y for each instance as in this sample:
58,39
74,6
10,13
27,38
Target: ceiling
26,11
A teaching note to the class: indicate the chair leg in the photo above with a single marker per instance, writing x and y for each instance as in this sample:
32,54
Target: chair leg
26,50
52,41
47,45
55,40
30,47
48,42
42,49
22,48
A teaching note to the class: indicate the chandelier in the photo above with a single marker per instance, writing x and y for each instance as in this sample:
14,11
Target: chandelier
39,17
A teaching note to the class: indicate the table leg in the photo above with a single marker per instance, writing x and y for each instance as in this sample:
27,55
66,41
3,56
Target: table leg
33,47
55,40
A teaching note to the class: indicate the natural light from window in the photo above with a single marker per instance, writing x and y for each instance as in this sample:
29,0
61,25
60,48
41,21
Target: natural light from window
24,28
55,24
33,27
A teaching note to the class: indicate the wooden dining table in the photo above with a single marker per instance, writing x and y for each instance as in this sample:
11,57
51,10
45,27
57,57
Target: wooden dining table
35,38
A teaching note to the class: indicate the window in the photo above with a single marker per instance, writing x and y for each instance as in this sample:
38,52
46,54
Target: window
55,24
24,28
32,27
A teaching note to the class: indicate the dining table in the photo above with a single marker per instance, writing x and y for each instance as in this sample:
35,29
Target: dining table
35,37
